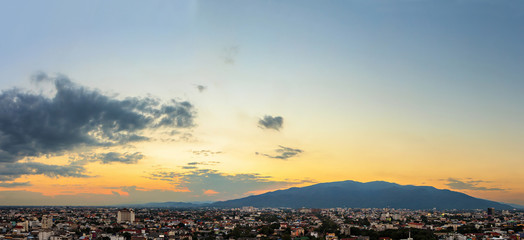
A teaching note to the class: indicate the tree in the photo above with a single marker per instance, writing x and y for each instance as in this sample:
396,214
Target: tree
127,236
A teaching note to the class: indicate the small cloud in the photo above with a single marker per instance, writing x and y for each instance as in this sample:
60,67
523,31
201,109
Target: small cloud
189,167
106,158
210,192
201,88
39,77
14,184
457,184
229,54
115,193
208,163
283,153
205,152
116,157
270,122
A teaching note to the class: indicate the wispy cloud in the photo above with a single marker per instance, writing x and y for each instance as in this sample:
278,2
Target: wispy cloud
270,122
283,153
208,163
107,158
189,167
226,186
458,184
14,184
205,152
210,192
229,54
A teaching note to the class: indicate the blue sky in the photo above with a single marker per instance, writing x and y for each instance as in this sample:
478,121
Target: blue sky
409,91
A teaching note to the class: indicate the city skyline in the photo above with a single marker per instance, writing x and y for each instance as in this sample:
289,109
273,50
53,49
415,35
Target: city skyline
122,102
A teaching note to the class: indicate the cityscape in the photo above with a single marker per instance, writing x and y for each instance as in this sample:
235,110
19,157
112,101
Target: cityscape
61,223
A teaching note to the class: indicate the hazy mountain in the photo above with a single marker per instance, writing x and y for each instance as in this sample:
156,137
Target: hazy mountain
517,206
364,195
166,205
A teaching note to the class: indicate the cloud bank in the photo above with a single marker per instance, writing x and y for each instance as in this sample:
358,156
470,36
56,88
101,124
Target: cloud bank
12,171
77,118
32,125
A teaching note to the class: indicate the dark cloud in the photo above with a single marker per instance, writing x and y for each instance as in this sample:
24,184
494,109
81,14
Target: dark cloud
11,171
469,185
205,152
270,122
115,157
283,153
33,124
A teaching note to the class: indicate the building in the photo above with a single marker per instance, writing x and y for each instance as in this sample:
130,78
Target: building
22,226
491,211
47,222
125,215
416,225
45,235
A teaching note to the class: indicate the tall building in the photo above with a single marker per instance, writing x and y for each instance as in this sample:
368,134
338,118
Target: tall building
125,215
491,211
47,222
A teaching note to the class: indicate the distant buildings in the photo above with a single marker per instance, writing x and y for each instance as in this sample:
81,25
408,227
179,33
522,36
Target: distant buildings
125,215
68,223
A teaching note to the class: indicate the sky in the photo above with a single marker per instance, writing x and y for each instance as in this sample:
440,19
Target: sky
118,102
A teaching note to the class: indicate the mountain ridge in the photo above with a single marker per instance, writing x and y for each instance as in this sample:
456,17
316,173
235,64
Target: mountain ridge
353,194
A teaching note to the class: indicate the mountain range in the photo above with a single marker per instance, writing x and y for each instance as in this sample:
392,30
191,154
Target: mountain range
352,194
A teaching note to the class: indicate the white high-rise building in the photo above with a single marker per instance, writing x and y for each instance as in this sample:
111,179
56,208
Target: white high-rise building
125,215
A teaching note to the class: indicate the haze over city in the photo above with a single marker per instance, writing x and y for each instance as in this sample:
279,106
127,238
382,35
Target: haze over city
128,102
